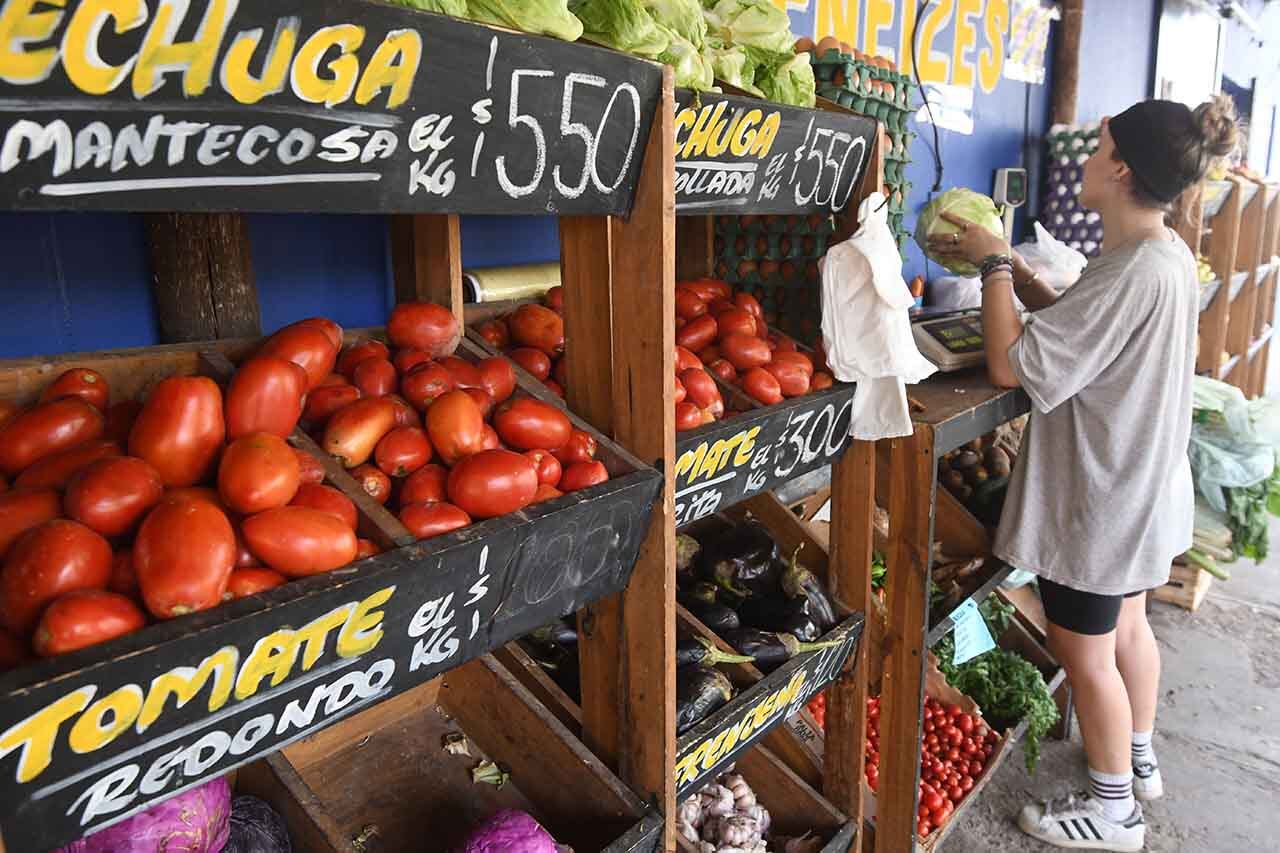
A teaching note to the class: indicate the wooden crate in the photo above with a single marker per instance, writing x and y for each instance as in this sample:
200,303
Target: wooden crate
1187,587
385,624
384,775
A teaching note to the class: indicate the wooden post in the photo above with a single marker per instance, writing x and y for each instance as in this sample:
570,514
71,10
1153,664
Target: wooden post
202,276
426,259
914,472
1223,241
1066,62
1240,332
695,247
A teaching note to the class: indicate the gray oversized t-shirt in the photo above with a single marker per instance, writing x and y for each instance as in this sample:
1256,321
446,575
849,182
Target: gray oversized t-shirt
1101,498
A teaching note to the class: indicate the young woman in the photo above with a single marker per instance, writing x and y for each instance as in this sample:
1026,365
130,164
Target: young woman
1101,499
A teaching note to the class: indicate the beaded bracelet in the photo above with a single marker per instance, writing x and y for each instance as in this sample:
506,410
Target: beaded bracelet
993,262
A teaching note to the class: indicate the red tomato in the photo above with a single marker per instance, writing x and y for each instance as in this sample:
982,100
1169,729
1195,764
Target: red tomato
309,468
481,398
180,429
374,482
798,359
735,321
424,326
498,378
762,386
251,581
374,377
327,499
324,401
781,343
183,554
492,483
111,496
8,408
697,333
403,451
56,470
330,380
353,433
464,373
491,440
85,618
47,429
353,355
538,327
685,359
821,381
427,484
681,392
407,359
554,387
204,494
23,509
366,548
581,475
13,652
424,383
528,424
748,303
745,351
546,493
89,385
709,354
244,557
791,377
688,416
120,418
496,333
298,541
265,395
406,415
581,447
306,346
554,298
432,518
724,370
689,305
533,360
560,371
719,306
455,426
702,390
331,330
547,466
51,559
257,473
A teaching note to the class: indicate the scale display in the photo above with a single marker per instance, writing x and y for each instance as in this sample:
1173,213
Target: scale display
953,342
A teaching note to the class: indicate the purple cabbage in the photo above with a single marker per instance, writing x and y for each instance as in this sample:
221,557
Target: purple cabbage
511,831
256,828
195,821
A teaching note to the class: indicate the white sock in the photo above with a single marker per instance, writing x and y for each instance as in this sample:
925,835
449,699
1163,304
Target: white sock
1114,791
1141,750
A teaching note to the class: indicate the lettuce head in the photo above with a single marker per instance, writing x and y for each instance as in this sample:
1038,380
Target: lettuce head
965,203
541,17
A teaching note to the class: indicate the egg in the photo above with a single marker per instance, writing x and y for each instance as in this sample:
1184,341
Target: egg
804,45
828,43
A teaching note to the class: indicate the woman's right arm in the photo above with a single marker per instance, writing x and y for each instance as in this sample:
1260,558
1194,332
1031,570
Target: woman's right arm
1031,290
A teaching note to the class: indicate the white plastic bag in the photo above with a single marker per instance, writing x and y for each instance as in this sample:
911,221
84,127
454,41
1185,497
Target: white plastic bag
1058,264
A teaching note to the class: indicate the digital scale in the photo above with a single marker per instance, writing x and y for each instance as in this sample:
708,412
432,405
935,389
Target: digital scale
950,339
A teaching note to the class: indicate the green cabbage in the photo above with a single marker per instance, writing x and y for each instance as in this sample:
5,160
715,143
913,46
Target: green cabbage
732,65
967,204
623,25
681,16
757,23
692,70
542,17
789,81
456,8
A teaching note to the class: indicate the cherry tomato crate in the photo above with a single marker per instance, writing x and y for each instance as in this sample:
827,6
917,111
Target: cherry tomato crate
371,630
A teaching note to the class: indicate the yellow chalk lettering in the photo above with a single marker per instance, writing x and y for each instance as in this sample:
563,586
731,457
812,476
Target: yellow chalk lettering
363,629
701,133
273,655
311,637
711,462
85,67
991,59
36,734
160,54
720,140
906,49
741,142
837,18
394,64
966,37
106,719
879,18
764,138
684,120
690,460
745,449
239,83
933,66
185,682
19,25
345,68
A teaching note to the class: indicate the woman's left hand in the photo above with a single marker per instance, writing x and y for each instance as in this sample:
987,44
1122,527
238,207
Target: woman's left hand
972,243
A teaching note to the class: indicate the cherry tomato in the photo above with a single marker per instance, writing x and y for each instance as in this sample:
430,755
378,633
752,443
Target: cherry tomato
524,423
964,723
407,359
966,784
432,518
455,426
352,433
56,470
481,398
375,377
51,559
762,386
84,618
309,468
265,395
582,475
424,326
496,333
534,361
183,555
792,379
745,351
923,828
498,378
547,466
306,346
697,333
251,581
402,451
83,382
975,769
298,541
258,472
180,428
538,327
327,499
353,355
111,496
426,382
492,483
47,429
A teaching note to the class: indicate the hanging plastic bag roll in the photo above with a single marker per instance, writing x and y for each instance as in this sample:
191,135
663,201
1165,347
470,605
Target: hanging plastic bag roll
866,328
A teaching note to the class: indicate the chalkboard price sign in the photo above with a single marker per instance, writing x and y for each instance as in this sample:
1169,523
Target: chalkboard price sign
279,105
736,155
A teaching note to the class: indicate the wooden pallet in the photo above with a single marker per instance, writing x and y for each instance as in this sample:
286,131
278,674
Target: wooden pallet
1187,587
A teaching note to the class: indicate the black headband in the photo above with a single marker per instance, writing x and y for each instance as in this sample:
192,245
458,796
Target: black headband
1150,138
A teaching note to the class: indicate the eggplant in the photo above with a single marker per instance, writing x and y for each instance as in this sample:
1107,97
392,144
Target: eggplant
558,633
717,617
700,650
771,649
558,662
785,615
739,559
687,550
700,691
798,583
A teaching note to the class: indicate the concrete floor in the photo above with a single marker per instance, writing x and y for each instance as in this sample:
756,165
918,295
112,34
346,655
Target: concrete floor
1217,736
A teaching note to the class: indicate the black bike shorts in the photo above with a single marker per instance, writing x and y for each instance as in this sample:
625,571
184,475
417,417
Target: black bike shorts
1082,612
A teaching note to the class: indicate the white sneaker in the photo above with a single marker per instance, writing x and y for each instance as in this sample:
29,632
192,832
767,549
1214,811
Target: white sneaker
1077,822
1147,784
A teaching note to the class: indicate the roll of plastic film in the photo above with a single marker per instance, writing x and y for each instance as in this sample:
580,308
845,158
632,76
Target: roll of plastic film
495,284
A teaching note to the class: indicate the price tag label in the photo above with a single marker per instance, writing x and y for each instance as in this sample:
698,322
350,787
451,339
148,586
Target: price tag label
972,636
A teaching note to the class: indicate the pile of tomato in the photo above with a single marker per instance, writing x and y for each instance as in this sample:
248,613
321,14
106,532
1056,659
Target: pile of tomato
115,514
954,752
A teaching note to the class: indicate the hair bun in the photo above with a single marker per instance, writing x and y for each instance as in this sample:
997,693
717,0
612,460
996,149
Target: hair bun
1216,119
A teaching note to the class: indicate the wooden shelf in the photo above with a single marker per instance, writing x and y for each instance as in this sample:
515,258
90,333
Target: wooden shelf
1215,196
962,406
979,595
1259,342
1208,291
1237,284
1229,365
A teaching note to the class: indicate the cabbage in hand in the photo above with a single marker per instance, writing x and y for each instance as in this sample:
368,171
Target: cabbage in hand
968,205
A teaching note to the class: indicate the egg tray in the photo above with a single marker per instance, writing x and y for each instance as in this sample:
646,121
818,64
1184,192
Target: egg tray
752,224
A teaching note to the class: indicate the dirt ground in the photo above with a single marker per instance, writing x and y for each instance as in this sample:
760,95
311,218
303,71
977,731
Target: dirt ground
1217,737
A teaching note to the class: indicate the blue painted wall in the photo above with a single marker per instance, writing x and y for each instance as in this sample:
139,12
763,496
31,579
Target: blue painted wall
1117,52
